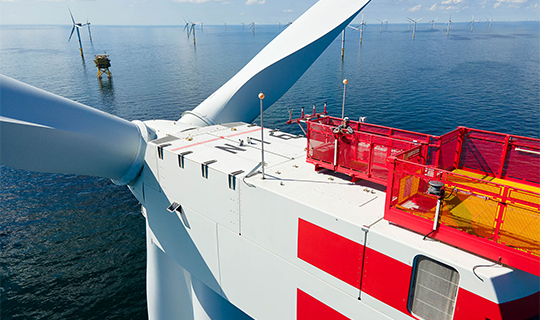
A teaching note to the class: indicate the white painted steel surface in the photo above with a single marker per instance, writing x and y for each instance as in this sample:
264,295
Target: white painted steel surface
496,283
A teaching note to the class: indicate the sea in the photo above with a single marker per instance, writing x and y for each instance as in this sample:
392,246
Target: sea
73,247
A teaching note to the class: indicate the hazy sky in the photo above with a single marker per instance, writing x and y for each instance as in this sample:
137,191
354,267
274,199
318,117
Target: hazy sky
211,12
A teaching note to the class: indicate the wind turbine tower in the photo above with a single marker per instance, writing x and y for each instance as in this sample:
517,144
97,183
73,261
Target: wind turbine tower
342,44
432,21
252,27
76,26
415,22
472,23
382,22
187,28
360,28
193,31
90,33
449,22
489,22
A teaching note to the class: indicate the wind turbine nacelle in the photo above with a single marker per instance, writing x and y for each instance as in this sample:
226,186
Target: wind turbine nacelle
40,131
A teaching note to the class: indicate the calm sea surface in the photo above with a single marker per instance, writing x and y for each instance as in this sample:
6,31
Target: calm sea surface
73,247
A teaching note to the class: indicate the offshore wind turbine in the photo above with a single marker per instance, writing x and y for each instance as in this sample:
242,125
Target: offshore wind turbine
415,22
187,28
223,243
72,138
432,22
383,22
360,28
192,31
77,26
342,44
489,22
472,23
252,27
89,32
449,22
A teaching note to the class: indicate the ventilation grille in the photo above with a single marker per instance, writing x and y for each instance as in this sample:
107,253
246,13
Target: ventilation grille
434,290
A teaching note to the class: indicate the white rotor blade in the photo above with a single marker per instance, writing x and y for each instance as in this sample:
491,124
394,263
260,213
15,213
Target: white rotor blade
278,66
40,131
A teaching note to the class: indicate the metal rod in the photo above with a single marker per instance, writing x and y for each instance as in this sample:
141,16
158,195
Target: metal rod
335,151
527,151
345,81
437,211
261,97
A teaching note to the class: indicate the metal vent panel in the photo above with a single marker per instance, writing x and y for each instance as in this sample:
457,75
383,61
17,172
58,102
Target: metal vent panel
434,290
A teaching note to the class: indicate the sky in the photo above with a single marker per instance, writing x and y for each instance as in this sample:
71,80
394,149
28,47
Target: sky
217,12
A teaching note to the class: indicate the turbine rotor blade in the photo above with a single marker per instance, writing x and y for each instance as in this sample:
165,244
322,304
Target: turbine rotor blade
278,66
40,131
71,15
72,30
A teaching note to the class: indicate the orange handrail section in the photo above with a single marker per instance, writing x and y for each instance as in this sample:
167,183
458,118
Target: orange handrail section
491,200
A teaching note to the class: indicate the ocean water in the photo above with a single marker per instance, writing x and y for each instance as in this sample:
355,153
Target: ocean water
73,247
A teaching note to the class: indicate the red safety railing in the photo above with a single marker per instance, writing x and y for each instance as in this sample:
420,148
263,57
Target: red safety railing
484,210
362,154
491,219
491,204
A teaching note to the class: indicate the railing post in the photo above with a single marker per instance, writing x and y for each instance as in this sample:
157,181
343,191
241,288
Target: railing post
391,163
439,151
370,156
336,151
501,210
503,156
459,148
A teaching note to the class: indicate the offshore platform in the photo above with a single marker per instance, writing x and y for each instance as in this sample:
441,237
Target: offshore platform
103,63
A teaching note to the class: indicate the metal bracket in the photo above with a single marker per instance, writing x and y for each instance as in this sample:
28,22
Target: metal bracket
175,206
204,168
181,158
232,179
160,149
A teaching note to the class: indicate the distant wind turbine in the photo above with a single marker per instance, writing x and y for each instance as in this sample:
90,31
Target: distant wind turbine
187,27
472,22
432,21
360,28
343,43
252,27
225,25
489,22
193,31
90,33
449,22
415,22
382,22
76,26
